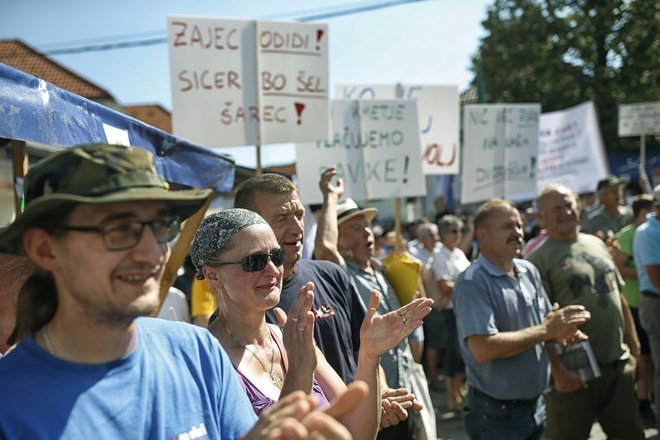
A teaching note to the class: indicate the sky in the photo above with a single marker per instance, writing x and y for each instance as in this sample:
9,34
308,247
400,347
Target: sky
423,42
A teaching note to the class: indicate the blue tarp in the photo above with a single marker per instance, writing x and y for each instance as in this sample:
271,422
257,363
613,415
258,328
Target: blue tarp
33,110
627,164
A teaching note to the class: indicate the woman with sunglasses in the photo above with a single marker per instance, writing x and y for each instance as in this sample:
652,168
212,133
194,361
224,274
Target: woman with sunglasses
238,254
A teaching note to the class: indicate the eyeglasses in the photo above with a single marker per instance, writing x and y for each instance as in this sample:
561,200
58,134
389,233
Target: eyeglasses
256,262
453,231
119,235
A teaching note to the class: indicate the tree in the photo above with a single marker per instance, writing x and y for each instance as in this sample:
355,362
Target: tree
564,52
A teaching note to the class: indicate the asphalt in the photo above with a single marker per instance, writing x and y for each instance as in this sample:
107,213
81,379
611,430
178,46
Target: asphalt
450,424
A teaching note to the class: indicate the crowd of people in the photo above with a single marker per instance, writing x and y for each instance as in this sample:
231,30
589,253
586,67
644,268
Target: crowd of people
531,334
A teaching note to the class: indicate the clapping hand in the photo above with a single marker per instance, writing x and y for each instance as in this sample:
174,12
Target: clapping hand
293,417
379,334
298,330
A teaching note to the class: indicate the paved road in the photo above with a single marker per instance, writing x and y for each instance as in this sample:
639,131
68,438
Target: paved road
450,424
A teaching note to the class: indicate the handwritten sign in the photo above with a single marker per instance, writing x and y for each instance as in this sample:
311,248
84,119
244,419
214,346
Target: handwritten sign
639,119
438,111
245,82
571,149
374,145
500,151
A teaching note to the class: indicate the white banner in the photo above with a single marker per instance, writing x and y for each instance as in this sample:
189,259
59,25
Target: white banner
373,145
571,149
500,152
438,119
243,82
639,119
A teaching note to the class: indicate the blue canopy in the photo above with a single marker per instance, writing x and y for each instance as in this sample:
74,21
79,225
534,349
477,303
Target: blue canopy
36,111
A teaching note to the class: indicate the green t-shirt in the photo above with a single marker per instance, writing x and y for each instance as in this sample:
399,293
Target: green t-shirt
582,272
631,289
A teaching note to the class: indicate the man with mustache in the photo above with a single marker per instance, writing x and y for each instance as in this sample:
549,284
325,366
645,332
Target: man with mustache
504,321
578,269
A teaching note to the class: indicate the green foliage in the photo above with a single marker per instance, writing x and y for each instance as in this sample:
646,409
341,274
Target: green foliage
564,52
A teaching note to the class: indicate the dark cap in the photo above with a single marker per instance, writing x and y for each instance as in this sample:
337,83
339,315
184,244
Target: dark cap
95,174
609,182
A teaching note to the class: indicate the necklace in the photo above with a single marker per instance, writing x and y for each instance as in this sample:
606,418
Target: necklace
276,380
49,345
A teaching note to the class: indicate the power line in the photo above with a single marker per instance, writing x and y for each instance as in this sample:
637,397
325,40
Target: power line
305,16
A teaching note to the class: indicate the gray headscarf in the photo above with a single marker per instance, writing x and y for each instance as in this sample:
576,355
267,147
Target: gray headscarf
216,231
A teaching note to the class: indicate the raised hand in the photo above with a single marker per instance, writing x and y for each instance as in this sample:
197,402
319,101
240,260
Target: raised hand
326,185
298,334
379,334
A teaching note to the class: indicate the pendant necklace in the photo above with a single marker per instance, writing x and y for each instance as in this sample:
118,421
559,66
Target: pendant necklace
49,345
276,380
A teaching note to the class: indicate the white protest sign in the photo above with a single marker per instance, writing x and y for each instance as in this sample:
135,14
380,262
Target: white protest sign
438,118
571,149
214,80
242,82
374,145
293,67
500,151
366,91
639,119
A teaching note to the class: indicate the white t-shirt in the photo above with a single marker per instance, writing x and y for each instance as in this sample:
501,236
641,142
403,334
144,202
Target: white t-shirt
175,306
447,265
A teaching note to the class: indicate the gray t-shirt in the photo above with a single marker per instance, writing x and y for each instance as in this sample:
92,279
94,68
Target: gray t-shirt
488,301
600,220
397,363
582,272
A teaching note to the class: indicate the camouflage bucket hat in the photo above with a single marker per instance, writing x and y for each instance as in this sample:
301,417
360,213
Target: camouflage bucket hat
95,174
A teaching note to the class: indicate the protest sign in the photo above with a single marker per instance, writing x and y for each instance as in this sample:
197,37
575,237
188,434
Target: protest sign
438,119
500,151
571,149
245,82
374,145
639,119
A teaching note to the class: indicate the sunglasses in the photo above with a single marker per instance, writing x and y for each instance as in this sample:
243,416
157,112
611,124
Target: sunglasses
256,262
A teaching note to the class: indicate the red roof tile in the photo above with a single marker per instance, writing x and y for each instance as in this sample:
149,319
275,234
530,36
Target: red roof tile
153,115
19,55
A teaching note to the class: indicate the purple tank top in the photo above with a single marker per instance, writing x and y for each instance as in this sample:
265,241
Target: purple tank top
259,400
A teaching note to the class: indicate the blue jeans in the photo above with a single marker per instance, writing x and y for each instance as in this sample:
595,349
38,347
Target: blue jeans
486,418
649,315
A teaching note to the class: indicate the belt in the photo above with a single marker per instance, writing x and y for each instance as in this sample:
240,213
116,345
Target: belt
525,402
649,294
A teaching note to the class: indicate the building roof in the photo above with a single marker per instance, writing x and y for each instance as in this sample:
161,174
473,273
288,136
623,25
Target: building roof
19,55
154,115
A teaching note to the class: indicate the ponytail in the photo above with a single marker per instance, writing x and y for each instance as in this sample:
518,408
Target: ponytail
37,299
36,305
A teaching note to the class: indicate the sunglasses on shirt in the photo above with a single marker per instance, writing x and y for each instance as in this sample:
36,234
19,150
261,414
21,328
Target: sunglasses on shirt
256,262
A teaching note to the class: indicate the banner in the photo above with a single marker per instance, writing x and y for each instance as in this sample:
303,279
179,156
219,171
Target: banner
639,119
438,119
571,151
245,82
374,145
500,152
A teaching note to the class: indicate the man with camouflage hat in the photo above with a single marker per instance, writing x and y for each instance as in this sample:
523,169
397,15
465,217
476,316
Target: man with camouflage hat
87,363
